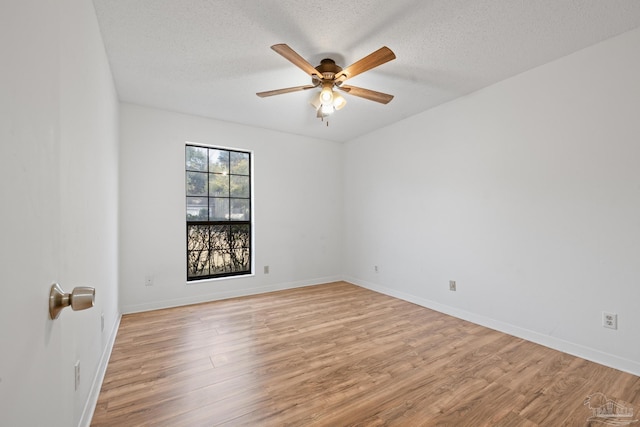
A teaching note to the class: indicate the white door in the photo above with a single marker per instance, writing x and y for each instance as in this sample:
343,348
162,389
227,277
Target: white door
30,343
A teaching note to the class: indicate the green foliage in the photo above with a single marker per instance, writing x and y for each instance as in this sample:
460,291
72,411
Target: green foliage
196,158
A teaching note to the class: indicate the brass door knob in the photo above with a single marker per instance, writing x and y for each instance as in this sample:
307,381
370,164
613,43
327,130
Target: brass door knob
80,298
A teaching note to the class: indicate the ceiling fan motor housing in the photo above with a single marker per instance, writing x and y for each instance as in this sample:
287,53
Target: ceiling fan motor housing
328,69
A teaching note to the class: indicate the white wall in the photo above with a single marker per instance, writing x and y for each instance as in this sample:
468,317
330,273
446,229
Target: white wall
58,174
527,193
298,208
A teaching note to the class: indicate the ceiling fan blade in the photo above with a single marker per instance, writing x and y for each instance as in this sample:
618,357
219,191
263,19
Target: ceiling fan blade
369,94
285,90
379,57
295,59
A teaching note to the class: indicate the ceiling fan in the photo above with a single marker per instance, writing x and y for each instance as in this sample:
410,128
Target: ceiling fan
329,76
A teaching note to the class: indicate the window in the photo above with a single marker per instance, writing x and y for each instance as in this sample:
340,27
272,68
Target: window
218,185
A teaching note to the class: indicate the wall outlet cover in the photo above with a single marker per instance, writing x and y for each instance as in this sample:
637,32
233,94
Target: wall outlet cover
609,320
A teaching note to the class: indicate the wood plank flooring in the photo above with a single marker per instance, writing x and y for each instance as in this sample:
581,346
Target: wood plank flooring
340,355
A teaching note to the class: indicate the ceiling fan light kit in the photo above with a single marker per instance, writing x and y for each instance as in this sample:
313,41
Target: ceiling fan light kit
329,76
326,103
326,94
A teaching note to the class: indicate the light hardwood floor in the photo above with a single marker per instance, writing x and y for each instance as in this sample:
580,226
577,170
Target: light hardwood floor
339,355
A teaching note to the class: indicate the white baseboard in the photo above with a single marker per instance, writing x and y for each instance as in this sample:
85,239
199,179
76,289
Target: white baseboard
568,347
220,295
94,392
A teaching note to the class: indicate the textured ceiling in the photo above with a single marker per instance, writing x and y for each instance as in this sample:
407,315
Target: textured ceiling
210,57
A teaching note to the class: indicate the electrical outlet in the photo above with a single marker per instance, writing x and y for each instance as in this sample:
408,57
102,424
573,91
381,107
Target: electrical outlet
452,285
77,374
148,281
266,269
375,268
609,320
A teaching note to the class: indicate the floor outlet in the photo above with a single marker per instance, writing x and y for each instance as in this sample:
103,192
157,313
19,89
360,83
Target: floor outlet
452,285
609,320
